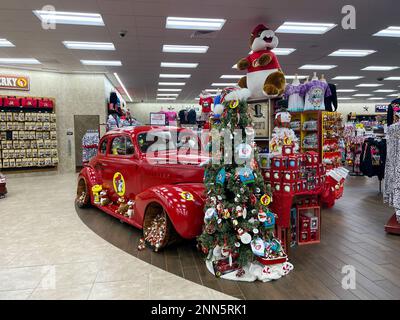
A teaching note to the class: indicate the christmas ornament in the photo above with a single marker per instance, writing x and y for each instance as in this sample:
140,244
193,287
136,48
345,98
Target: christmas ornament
262,216
225,251
217,251
258,247
237,244
244,213
246,176
235,222
141,244
155,233
221,177
255,231
226,214
210,213
265,200
270,220
233,104
210,228
244,151
245,238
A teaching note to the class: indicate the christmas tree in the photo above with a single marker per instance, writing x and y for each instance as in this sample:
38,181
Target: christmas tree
238,225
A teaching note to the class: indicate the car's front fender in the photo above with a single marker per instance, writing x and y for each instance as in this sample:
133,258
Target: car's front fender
89,175
183,203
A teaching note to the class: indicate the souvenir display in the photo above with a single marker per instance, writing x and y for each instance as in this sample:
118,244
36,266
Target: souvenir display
28,133
3,187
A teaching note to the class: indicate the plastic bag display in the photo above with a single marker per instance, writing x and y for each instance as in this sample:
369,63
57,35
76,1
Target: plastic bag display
90,142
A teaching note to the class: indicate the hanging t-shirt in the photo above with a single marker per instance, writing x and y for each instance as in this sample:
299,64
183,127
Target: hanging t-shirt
393,108
316,91
295,96
206,104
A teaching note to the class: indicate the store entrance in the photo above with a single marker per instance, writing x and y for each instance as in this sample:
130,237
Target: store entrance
82,125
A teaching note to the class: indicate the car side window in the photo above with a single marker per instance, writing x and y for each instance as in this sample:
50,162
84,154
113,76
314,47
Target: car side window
122,146
103,147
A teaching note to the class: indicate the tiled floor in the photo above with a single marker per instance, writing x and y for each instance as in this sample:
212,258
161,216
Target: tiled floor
47,252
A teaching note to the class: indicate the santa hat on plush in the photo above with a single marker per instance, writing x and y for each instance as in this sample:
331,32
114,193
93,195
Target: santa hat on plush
257,30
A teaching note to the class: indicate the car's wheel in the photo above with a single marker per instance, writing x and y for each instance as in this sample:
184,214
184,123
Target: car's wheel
82,194
156,222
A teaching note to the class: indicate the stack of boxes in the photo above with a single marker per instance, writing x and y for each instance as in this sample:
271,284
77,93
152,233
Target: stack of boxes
295,173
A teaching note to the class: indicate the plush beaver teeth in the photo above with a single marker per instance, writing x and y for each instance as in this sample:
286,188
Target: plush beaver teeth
266,39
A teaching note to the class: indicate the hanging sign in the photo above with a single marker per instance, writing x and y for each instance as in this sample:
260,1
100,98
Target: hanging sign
14,82
379,108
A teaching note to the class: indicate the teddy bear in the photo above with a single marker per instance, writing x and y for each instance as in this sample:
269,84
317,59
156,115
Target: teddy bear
264,73
123,206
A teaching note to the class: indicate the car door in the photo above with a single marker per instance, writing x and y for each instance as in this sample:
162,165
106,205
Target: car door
120,168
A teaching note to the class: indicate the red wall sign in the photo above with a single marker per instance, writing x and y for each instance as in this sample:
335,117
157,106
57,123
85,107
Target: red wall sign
14,82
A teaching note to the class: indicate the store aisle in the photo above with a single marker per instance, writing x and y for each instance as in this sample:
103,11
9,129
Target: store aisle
46,252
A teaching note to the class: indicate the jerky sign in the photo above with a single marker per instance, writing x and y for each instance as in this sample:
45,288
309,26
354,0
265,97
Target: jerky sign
14,82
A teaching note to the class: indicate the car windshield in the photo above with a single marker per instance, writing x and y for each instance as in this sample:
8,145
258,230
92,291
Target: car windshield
162,140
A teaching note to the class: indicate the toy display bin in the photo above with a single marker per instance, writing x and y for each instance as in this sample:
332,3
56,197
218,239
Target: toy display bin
308,224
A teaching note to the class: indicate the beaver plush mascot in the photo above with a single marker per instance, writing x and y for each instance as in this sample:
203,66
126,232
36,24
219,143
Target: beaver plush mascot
264,73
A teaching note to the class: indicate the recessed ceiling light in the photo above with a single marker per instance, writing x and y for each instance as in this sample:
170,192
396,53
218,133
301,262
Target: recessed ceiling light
317,67
345,98
347,78
60,17
393,78
212,90
6,43
184,49
194,23
174,76
123,86
305,27
394,95
78,45
231,76
346,90
178,65
112,63
385,90
290,77
391,31
169,90
376,98
351,53
369,85
167,94
171,83
380,68
283,51
19,61
224,84
362,95
165,98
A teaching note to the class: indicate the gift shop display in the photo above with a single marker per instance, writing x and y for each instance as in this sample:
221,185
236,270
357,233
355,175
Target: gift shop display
238,236
393,112
3,187
28,133
206,101
392,177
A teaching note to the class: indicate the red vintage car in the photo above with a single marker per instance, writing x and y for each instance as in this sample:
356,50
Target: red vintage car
148,171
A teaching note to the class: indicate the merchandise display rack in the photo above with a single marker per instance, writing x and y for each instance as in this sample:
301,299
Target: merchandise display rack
28,135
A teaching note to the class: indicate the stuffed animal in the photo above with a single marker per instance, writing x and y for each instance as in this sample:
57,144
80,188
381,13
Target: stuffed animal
264,73
123,206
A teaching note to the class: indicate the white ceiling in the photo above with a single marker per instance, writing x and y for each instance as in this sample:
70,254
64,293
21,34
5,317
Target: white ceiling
140,51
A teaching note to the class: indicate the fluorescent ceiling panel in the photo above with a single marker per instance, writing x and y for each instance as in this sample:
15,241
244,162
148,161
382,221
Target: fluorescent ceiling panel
184,49
178,65
283,51
394,95
362,95
213,90
369,85
165,98
351,53
174,76
305,27
5,43
194,23
393,78
224,84
19,61
79,45
318,67
111,63
291,77
61,17
231,76
171,83
347,78
391,31
123,86
345,98
376,98
346,90
169,90
385,90
167,94
380,68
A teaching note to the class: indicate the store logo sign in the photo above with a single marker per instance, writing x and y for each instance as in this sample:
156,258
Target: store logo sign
14,82
119,184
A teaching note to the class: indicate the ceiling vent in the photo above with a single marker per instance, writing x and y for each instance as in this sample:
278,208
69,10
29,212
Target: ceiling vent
204,34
